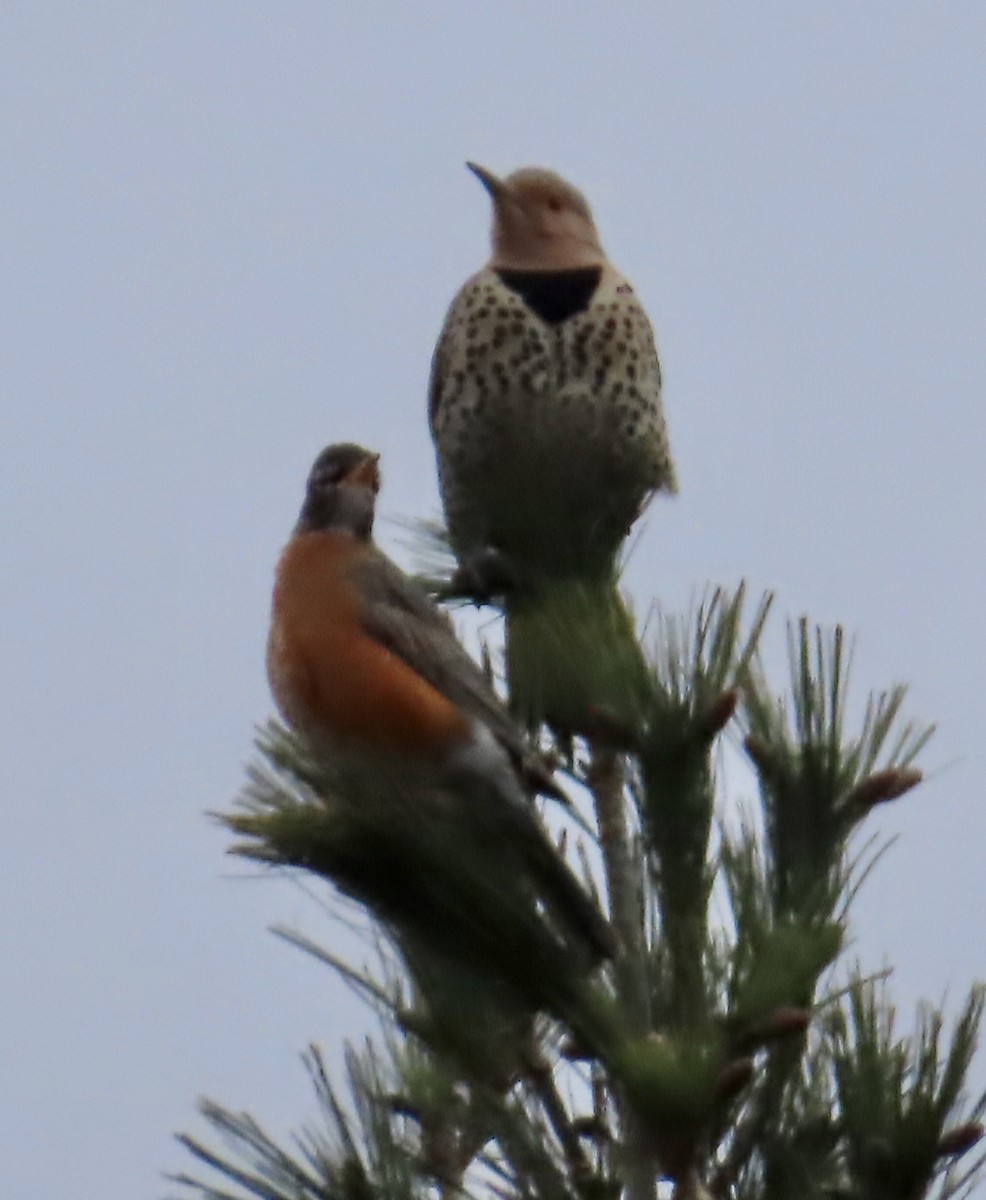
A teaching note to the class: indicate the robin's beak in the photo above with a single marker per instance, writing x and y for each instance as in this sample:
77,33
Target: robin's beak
366,473
489,181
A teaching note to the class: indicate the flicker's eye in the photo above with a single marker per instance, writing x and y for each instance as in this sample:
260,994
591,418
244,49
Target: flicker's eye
555,204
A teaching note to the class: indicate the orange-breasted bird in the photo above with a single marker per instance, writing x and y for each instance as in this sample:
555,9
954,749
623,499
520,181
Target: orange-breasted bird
360,661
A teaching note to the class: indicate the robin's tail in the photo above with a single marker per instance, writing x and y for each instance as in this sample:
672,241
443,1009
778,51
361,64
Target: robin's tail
505,816
565,898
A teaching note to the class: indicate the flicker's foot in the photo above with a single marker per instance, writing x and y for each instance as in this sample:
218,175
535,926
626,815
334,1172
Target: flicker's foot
481,576
603,726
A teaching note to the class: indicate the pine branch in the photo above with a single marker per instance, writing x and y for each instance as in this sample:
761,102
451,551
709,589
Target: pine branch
546,1090
901,1098
605,779
696,666
816,783
355,1156
712,1061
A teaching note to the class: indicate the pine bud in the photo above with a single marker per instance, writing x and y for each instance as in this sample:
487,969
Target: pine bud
883,786
719,713
783,1022
733,1078
960,1139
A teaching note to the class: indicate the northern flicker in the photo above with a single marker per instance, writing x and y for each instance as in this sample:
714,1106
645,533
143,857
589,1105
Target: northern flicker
545,395
545,409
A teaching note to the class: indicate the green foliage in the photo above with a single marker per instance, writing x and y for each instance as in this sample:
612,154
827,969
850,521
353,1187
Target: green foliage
442,874
896,1094
708,1054
351,1155
814,779
692,695
780,969
573,659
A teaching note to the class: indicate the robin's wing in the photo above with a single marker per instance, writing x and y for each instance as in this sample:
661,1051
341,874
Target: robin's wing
401,615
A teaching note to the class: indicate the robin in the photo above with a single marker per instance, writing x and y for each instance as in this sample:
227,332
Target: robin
360,661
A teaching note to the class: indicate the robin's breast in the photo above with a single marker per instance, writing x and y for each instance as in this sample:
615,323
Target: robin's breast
333,681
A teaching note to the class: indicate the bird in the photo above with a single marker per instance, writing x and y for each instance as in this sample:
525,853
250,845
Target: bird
361,662
545,396
545,410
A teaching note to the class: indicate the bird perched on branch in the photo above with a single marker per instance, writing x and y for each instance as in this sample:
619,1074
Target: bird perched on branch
545,409
545,393
360,661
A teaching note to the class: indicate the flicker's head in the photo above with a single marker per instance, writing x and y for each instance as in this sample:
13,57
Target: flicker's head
341,491
540,221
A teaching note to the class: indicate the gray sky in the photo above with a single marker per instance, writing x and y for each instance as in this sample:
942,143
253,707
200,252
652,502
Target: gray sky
228,235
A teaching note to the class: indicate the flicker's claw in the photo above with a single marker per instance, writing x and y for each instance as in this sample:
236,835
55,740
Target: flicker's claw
606,727
481,576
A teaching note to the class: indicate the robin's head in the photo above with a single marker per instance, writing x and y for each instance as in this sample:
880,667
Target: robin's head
341,491
540,222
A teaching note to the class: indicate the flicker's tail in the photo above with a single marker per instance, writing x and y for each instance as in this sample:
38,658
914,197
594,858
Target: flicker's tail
573,659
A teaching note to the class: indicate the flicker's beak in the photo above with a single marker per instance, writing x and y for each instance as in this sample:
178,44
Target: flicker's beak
489,181
366,473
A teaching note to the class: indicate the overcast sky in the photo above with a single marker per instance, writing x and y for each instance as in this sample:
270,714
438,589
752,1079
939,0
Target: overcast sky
228,236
